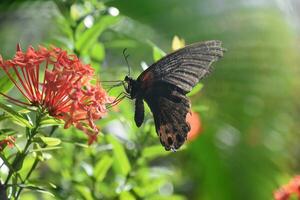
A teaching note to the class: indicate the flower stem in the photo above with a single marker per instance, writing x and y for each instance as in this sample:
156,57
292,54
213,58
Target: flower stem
20,157
34,165
18,161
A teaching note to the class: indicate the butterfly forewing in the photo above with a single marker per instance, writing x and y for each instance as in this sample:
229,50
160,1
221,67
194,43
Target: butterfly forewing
185,67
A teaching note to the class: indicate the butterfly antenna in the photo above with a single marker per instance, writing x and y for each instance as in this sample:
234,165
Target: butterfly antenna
108,85
110,81
126,59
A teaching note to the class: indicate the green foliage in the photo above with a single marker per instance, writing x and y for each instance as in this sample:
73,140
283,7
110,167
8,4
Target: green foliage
84,192
102,167
157,52
121,162
49,141
15,116
48,121
98,52
89,38
152,152
195,90
249,106
5,84
118,166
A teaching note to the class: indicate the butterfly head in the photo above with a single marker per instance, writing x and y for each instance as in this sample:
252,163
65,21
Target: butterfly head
130,86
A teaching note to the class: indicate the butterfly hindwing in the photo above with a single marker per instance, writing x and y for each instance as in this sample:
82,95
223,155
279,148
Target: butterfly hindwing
169,110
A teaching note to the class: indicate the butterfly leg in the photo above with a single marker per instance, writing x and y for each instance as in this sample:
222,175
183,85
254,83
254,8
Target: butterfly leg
139,112
118,99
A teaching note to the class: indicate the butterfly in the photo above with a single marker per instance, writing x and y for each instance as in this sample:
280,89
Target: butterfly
164,85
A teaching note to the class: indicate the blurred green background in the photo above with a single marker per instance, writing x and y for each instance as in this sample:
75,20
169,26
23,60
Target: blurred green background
249,106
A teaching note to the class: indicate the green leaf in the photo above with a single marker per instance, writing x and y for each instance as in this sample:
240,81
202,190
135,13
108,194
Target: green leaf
64,9
6,132
15,116
38,153
156,51
46,149
37,189
150,187
79,144
98,52
90,36
75,13
85,192
4,116
154,151
166,197
102,167
6,84
50,121
195,90
49,141
18,162
121,162
126,196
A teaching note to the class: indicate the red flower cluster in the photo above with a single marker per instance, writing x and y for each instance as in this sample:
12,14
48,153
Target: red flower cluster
8,141
194,120
59,83
293,187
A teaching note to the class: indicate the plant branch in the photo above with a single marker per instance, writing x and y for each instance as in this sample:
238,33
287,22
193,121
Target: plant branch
35,163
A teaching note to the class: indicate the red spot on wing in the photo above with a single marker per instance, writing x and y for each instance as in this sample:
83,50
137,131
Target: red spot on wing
147,80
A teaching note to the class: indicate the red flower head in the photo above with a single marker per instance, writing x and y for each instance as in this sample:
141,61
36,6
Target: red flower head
293,187
194,120
60,84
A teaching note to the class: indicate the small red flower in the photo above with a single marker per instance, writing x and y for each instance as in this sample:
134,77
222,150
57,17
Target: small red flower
281,194
8,141
194,120
59,83
293,187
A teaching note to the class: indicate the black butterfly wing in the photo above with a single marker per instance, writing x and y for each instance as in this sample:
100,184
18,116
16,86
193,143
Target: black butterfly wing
169,107
164,85
184,67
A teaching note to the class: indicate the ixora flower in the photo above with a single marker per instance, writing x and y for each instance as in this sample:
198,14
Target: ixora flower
293,187
194,120
59,84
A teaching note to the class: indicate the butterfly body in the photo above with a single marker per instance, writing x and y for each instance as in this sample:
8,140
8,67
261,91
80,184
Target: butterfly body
164,85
